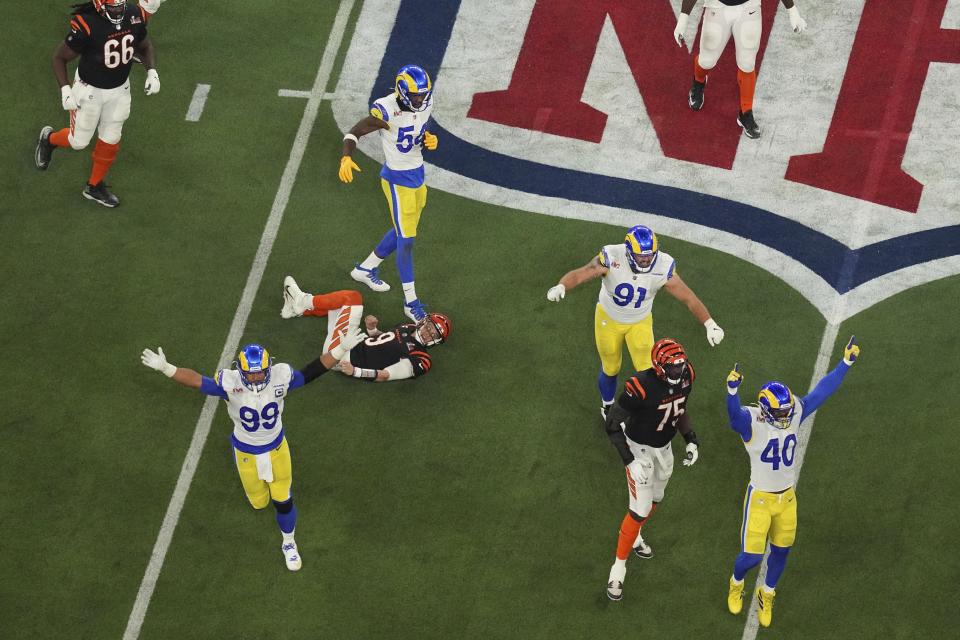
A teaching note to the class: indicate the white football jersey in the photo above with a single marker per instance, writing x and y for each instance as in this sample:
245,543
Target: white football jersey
773,452
401,142
627,296
257,416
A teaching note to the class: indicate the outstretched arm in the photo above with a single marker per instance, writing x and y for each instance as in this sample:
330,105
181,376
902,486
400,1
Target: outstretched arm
678,289
590,271
739,417
187,377
830,382
362,128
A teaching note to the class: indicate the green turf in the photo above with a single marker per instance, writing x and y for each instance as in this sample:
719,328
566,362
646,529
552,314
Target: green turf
481,501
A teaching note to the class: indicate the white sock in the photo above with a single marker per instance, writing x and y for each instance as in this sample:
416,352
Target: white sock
735,581
288,537
606,404
372,262
409,292
620,564
767,589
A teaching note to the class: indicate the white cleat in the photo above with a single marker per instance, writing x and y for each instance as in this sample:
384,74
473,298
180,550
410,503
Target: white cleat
369,277
641,549
295,301
615,582
291,556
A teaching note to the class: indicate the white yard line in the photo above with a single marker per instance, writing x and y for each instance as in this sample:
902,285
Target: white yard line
162,545
195,110
803,438
294,93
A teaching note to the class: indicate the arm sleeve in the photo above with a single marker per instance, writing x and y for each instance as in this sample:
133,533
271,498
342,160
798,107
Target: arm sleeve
401,370
420,362
824,389
615,432
739,417
307,374
211,387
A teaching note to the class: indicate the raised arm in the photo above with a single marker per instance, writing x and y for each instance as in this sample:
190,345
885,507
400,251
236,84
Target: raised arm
830,382
739,417
590,271
676,287
187,377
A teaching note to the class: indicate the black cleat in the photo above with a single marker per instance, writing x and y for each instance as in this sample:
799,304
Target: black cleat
99,193
695,97
44,149
750,126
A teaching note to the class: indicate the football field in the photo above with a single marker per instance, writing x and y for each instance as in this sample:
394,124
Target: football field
480,501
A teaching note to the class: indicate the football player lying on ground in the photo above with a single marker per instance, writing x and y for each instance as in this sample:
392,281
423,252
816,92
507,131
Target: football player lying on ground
254,392
395,354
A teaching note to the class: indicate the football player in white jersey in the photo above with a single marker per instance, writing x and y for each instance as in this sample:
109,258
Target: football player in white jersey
401,118
254,392
633,273
721,18
769,433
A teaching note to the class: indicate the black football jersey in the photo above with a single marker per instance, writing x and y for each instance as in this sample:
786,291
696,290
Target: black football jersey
654,406
389,348
106,50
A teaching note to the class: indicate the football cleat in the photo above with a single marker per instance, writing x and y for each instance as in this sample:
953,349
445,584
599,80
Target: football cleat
415,310
776,404
615,582
735,596
295,301
669,360
642,549
413,87
695,97
99,193
642,248
369,277
44,149
765,600
605,411
291,556
253,362
750,126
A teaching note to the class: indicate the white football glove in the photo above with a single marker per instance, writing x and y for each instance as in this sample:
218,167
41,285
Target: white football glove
152,85
639,471
692,455
556,293
680,29
714,332
151,6
348,340
158,362
66,98
797,23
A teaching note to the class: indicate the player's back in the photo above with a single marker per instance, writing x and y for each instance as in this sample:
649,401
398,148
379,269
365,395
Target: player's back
627,296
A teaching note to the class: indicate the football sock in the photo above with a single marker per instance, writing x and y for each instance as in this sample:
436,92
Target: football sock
388,244
409,292
735,581
60,138
287,537
775,565
324,302
286,515
608,387
103,156
647,517
405,259
629,529
699,72
745,562
747,82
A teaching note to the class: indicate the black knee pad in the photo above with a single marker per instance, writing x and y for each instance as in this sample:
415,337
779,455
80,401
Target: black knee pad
283,507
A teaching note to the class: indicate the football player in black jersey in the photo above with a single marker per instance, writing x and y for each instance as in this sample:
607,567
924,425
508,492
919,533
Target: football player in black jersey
396,354
641,424
105,35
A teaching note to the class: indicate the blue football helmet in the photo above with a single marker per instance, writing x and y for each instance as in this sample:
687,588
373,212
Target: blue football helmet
414,88
642,248
777,404
253,363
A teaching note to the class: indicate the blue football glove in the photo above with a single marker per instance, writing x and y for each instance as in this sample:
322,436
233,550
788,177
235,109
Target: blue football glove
851,352
734,379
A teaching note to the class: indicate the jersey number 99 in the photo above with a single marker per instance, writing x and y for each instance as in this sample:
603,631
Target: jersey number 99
267,418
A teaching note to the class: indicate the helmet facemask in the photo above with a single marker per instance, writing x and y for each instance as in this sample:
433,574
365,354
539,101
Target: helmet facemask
776,405
432,330
669,361
642,249
414,88
253,364
112,10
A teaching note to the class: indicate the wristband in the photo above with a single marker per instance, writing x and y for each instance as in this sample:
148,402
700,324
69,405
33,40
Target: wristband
690,437
364,373
350,136
709,323
169,370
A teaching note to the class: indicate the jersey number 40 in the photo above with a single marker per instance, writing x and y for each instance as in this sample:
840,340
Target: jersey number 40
773,455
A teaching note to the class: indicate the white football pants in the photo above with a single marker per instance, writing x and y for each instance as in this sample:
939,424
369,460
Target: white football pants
106,108
719,21
660,463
